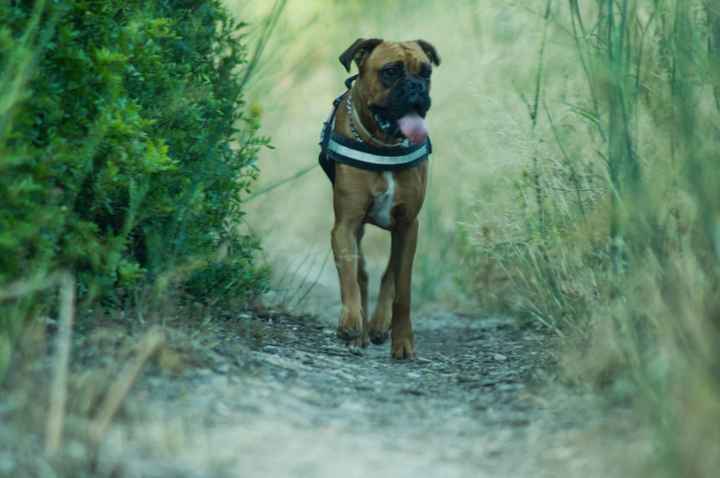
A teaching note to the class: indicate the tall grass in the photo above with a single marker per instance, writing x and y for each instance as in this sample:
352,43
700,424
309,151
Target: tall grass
615,245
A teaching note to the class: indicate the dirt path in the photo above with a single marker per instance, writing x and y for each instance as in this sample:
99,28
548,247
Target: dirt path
282,398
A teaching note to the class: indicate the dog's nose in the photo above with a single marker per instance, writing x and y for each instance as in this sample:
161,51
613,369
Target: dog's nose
416,86
415,90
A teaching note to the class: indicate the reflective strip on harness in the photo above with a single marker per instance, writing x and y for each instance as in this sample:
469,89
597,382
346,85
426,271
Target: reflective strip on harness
339,149
375,159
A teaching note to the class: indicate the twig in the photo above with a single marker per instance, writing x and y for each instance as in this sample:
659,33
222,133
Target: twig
281,182
153,339
313,283
574,177
58,389
290,291
267,28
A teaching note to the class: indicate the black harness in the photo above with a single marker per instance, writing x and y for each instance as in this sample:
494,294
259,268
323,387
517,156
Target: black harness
336,148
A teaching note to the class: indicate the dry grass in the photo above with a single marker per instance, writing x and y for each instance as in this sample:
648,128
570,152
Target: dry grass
97,395
614,245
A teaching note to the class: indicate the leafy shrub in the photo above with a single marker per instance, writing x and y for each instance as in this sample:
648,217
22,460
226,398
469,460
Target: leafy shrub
126,153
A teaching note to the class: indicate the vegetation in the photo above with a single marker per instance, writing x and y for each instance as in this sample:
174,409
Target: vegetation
619,249
126,152
574,181
575,167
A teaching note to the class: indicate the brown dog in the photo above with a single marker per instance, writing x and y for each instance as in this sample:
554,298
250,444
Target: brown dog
383,109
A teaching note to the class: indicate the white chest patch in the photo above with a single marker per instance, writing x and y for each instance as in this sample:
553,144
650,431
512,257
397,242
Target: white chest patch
383,202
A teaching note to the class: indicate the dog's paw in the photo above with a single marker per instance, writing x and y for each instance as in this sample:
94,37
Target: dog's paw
378,337
403,349
378,331
348,335
350,328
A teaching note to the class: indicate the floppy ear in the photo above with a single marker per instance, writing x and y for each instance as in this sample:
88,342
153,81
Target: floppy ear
358,51
430,51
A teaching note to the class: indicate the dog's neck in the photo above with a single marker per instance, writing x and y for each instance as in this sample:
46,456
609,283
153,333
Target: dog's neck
362,123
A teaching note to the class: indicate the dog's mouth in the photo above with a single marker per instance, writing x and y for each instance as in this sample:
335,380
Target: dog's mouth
410,125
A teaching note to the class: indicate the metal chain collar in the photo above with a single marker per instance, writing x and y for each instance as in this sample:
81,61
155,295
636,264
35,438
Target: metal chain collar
349,108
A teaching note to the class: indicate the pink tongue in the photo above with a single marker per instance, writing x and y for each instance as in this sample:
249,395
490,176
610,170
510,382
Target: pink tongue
413,127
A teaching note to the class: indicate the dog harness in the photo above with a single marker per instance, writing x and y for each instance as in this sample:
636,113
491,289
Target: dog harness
336,148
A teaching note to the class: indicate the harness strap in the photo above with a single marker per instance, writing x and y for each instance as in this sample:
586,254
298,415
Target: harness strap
327,163
336,148
343,148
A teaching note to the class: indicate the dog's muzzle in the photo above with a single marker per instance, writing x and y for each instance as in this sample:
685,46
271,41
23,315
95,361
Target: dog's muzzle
409,96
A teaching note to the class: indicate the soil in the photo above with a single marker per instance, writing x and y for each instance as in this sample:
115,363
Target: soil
277,395
281,397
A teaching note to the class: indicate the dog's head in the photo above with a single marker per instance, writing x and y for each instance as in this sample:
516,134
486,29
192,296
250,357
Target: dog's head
394,83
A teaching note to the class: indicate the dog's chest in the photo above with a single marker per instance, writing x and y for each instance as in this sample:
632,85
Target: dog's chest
383,201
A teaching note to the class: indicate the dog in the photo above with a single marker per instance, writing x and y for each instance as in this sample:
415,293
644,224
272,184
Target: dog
379,130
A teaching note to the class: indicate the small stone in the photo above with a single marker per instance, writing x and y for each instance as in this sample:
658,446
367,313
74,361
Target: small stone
508,387
412,391
500,357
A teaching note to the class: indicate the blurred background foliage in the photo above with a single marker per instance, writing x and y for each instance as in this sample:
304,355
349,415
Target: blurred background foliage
295,88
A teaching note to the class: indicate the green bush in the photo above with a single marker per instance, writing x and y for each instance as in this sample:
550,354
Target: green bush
127,148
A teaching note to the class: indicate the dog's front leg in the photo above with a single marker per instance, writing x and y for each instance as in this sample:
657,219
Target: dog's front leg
363,284
346,251
404,243
380,324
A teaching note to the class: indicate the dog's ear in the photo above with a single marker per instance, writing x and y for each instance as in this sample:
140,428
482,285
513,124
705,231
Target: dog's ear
430,51
358,51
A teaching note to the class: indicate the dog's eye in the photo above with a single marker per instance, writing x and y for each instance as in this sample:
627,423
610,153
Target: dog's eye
391,73
425,71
